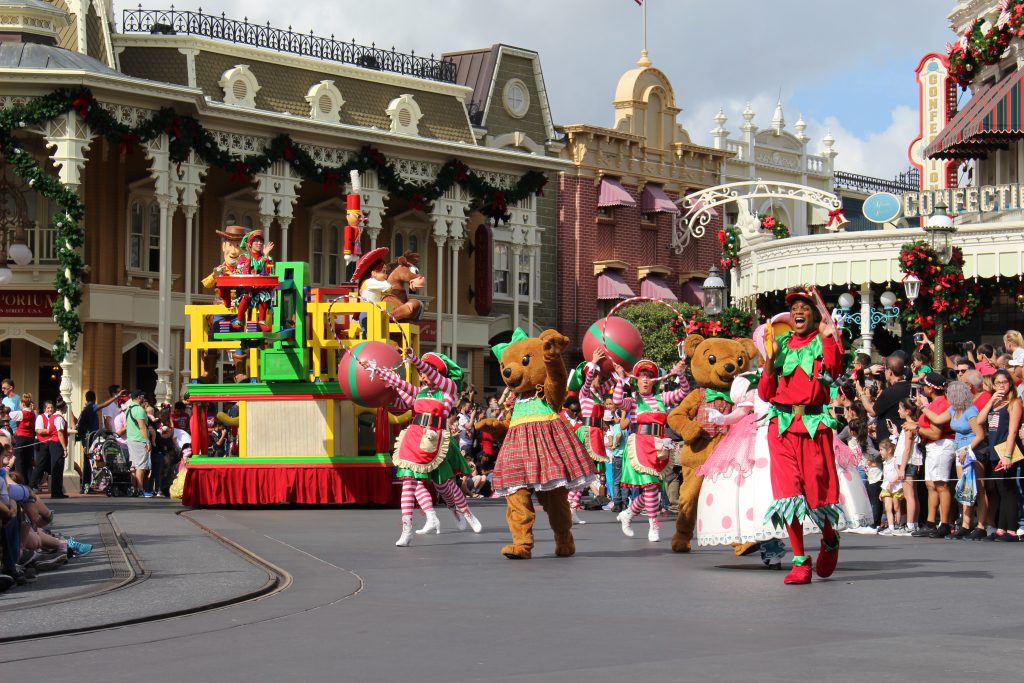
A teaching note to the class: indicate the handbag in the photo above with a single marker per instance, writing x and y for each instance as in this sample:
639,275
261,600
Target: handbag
1003,448
966,491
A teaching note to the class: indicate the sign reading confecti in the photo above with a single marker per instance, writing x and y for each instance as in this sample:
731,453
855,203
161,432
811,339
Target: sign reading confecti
983,199
27,303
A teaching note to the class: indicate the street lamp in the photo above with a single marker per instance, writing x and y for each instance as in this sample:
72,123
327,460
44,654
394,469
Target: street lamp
940,230
912,287
13,249
714,292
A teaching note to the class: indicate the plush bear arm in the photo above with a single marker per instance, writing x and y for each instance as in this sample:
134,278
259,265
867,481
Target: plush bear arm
496,428
682,421
555,383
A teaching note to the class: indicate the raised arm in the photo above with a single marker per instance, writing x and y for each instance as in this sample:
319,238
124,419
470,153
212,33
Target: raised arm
406,390
676,396
446,385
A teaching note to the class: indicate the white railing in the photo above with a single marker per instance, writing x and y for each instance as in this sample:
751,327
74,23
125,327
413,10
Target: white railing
42,240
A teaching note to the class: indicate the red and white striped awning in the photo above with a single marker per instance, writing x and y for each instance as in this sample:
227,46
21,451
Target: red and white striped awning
612,193
654,200
611,285
655,287
693,292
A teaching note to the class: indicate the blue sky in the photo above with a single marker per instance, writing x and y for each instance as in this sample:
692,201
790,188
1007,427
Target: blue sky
846,66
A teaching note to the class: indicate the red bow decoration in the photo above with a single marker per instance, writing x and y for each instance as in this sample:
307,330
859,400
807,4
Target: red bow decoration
82,103
173,129
836,217
498,203
128,142
461,172
240,174
416,201
289,153
375,157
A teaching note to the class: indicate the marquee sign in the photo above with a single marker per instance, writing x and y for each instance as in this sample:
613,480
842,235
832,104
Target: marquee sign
27,303
983,199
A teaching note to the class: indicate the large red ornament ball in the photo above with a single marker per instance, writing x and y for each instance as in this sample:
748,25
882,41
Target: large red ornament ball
356,383
622,340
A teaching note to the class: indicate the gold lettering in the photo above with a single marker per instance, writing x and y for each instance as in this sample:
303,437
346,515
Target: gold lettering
988,198
971,200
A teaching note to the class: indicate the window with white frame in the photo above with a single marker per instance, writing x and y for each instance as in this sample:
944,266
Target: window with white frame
524,274
240,208
405,238
327,263
502,270
143,232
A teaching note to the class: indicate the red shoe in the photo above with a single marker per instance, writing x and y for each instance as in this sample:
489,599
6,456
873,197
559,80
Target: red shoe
263,327
237,326
801,571
828,558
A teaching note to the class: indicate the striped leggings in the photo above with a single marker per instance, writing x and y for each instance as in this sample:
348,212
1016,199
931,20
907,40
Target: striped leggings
649,501
575,495
452,495
415,491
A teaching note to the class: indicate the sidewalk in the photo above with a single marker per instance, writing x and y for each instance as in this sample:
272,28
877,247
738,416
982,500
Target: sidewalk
147,562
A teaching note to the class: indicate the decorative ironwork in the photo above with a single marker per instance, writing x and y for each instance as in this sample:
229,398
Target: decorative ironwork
696,213
904,182
877,316
172,21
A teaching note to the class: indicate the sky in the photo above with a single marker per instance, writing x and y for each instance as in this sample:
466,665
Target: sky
847,67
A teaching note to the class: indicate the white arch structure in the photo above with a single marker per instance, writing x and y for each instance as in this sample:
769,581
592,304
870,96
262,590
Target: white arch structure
696,214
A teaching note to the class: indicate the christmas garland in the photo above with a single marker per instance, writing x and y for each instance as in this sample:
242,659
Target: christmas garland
729,238
779,229
984,42
945,295
731,323
186,134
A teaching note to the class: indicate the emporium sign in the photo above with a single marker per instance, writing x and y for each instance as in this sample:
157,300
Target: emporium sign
27,303
983,199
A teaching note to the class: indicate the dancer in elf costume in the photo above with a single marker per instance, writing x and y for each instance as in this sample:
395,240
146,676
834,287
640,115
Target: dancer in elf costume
255,260
591,431
424,450
798,372
647,453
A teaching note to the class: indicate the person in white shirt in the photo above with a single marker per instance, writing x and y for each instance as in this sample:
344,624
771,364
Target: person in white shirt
112,408
892,487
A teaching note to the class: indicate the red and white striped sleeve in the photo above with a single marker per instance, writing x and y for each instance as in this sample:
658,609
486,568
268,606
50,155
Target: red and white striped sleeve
445,384
617,392
676,396
406,391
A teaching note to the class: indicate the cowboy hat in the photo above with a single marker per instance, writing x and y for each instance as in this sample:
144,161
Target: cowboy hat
232,232
367,262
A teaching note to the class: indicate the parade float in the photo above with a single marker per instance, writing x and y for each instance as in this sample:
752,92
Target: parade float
305,435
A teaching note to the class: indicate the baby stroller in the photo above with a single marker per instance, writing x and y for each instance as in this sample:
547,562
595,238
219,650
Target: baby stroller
111,469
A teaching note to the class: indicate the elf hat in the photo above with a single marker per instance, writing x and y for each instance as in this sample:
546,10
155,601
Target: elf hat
645,365
798,294
250,236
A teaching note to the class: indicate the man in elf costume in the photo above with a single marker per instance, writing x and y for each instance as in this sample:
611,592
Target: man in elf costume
255,260
798,371
353,217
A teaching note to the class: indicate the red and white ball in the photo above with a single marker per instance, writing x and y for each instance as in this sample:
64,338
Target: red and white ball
622,340
356,383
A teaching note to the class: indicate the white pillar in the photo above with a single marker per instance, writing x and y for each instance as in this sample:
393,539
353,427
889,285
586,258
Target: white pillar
517,249
867,332
163,390
534,249
266,220
456,243
439,238
186,363
285,224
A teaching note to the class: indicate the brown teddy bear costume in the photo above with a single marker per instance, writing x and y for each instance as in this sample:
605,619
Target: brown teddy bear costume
714,364
540,452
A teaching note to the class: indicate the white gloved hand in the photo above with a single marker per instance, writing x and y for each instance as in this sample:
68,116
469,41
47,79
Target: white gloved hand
371,366
715,417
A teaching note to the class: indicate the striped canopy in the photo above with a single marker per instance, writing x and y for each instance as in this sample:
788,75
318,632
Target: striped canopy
990,121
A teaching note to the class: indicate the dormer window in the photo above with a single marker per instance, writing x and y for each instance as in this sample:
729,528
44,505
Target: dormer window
325,101
240,86
516,98
405,115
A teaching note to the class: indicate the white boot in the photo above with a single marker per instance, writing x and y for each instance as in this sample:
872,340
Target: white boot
625,517
654,532
433,524
576,518
460,521
473,522
406,538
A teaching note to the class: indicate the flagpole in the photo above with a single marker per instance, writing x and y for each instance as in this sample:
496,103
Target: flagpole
644,6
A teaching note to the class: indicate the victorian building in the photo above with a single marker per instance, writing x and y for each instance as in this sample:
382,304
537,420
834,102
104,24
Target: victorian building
618,212
150,221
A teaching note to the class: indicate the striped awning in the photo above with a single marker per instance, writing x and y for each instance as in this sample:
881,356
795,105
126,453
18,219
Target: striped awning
654,200
693,292
611,285
655,287
612,193
991,120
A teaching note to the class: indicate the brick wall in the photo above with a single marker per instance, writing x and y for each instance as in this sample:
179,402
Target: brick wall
583,239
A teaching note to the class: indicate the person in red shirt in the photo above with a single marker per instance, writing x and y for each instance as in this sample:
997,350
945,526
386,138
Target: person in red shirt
939,453
796,381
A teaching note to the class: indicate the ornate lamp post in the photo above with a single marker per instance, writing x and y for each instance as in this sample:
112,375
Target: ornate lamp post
940,230
714,292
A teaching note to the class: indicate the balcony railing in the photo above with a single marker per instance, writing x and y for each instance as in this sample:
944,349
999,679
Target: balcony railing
172,22
42,240
904,182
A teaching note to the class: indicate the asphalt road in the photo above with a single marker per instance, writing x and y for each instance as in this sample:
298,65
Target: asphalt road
352,607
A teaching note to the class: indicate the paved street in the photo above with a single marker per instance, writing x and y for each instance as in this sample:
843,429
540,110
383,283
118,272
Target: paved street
340,602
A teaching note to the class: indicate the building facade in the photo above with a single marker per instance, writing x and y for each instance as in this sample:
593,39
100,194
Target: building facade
617,205
151,222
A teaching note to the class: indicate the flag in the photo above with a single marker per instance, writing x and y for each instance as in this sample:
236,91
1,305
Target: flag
639,2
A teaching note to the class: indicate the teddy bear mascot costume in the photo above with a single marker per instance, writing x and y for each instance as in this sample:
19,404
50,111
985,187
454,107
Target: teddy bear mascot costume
714,364
540,452
799,367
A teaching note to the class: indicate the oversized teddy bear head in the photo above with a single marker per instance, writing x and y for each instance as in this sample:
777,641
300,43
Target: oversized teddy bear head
530,364
716,362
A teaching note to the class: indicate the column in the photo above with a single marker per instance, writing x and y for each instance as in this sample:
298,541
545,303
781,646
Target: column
163,369
440,236
373,207
285,224
534,249
266,220
70,389
517,249
456,244
190,226
867,332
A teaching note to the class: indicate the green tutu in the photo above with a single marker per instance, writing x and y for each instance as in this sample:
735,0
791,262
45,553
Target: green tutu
452,466
633,479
